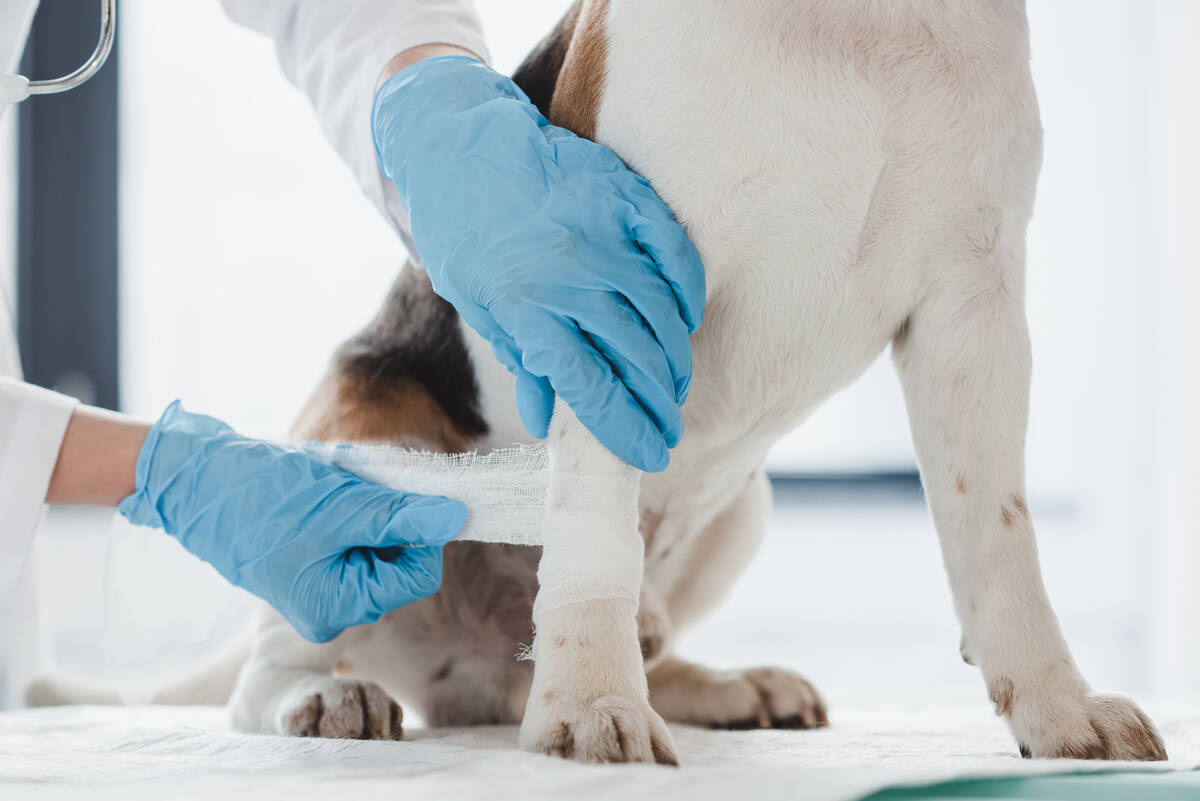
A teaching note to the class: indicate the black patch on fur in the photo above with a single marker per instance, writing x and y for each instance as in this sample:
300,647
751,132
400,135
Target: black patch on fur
538,74
415,338
443,672
1025,752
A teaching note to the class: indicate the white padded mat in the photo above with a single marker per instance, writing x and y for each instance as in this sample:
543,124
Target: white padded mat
189,752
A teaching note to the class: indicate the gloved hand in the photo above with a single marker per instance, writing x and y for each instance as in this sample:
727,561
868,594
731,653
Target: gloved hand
549,247
319,544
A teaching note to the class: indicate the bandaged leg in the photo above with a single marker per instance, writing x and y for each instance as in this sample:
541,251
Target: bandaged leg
589,697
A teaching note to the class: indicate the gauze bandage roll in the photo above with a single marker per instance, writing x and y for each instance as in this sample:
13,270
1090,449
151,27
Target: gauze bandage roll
504,491
587,523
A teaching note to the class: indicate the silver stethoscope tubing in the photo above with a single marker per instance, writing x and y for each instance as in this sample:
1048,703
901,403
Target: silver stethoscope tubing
14,88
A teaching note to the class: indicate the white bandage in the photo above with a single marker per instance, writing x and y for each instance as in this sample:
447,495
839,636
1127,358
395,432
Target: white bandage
592,547
504,491
587,524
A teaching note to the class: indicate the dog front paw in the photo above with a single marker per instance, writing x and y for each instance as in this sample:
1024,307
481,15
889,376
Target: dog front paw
341,709
1092,727
605,729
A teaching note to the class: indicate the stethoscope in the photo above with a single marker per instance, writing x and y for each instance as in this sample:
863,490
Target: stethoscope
15,88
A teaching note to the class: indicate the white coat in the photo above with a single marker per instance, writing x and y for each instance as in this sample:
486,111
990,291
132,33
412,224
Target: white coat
334,51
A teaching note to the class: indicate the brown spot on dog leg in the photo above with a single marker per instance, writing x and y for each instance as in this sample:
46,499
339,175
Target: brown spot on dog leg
1001,693
1006,517
1019,504
960,483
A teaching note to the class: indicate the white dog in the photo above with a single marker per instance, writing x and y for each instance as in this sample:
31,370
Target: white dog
854,173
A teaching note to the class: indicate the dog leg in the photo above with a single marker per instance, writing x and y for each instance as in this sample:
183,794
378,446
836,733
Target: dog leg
589,698
964,361
287,688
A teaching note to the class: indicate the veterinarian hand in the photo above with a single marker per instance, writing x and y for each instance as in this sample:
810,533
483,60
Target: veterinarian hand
549,247
319,544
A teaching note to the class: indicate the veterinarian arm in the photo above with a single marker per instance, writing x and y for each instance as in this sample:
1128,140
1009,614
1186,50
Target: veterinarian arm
322,546
32,423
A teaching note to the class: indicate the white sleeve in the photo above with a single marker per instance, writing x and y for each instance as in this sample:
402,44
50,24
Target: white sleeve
32,423
334,51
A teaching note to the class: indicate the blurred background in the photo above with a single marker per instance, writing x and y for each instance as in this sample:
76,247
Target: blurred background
242,252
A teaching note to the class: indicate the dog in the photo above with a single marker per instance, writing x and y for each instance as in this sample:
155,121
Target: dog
855,174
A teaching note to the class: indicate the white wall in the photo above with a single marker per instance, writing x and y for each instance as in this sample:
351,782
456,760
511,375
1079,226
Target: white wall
1176,596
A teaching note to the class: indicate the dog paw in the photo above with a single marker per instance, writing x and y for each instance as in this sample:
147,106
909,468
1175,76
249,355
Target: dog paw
342,709
607,729
758,698
1097,727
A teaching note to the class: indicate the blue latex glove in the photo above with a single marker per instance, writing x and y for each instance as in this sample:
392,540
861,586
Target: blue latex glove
549,247
319,544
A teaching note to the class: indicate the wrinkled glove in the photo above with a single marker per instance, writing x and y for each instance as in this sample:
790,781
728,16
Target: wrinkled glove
319,544
550,248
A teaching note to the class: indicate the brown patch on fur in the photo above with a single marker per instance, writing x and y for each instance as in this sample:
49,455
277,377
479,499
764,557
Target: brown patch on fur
1001,693
342,668
1144,741
1006,517
960,483
349,408
580,84
560,641
548,696
1019,504
1096,749
661,755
